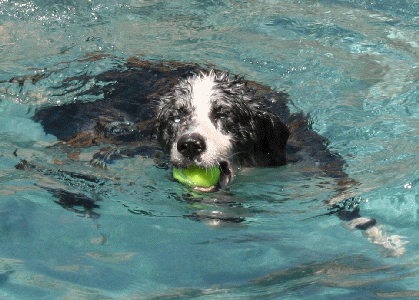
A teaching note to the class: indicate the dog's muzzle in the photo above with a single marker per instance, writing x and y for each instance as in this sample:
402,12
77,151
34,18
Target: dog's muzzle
227,173
191,146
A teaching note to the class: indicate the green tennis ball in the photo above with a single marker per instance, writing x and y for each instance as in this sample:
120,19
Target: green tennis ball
196,176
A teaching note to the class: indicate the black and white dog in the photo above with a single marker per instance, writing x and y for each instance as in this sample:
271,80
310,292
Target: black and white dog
200,117
212,119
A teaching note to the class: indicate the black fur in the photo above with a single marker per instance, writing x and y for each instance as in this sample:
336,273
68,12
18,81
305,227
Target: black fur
142,100
259,137
127,116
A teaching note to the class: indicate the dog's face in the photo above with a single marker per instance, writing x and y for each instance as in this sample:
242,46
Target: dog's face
212,120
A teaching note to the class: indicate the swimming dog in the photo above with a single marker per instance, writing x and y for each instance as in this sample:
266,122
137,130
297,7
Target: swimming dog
212,119
201,117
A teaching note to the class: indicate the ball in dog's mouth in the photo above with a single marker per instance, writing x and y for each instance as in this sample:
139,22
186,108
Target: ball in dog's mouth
197,176
205,179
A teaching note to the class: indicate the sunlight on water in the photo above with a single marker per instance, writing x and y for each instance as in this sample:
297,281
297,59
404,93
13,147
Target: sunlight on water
352,66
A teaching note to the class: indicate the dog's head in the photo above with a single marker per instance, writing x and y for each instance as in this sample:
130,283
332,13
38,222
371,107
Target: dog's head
213,119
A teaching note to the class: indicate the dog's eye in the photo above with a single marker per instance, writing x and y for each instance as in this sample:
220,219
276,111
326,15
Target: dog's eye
176,119
178,115
220,114
175,116
222,120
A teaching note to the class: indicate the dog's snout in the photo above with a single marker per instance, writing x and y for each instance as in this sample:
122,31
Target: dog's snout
191,145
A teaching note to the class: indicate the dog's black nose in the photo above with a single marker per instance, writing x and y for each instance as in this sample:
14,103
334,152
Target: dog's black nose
191,145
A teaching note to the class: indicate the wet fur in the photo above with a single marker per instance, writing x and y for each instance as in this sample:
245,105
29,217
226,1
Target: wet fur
256,136
147,99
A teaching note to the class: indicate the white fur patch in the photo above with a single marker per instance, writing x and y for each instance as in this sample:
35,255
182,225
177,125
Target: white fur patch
218,145
202,93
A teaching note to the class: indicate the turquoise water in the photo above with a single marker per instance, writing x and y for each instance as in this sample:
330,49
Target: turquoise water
352,65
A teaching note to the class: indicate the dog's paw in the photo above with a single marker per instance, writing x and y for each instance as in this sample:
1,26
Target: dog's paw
393,245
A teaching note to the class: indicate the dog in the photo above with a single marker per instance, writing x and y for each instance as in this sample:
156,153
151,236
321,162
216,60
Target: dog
198,117
212,119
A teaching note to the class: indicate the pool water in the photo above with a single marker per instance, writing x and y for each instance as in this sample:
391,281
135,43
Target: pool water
353,66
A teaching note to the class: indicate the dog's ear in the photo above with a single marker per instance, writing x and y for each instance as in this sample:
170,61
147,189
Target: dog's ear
273,136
